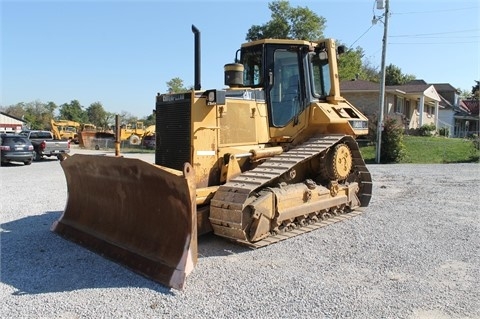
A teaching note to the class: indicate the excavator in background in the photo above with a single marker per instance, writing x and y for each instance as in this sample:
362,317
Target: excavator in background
65,130
272,156
132,134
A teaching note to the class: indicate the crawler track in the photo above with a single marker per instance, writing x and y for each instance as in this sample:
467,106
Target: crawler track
231,198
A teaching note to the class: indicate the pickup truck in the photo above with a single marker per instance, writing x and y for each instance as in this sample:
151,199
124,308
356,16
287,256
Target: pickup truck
45,145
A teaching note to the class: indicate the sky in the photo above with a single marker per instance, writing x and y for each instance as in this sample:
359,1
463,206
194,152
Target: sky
121,53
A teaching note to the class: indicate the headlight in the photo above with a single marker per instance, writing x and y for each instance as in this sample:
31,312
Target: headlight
359,124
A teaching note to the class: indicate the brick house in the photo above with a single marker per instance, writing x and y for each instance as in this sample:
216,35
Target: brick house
413,104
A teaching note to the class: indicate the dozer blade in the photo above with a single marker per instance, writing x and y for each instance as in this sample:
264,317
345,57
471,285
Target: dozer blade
138,214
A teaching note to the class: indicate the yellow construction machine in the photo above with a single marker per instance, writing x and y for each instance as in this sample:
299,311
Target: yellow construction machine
132,133
65,129
272,156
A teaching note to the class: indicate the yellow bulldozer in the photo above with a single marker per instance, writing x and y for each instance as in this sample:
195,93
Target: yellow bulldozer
269,157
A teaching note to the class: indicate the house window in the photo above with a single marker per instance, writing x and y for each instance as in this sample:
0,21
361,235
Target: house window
429,111
399,102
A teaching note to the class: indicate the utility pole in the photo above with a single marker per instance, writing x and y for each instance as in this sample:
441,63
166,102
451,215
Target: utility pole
382,80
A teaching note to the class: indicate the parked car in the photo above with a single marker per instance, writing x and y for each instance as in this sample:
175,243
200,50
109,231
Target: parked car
149,142
16,148
44,144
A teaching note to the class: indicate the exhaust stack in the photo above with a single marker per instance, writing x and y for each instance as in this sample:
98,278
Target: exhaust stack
197,86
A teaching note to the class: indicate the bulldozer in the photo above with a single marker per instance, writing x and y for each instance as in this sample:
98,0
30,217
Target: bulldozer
270,156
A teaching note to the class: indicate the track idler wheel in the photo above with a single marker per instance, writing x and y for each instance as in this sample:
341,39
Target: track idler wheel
339,162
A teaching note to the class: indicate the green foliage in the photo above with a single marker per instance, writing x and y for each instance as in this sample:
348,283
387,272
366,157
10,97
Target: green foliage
476,91
175,85
394,76
37,114
444,131
17,110
430,150
288,23
98,116
427,129
73,111
392,148
150,120
351,65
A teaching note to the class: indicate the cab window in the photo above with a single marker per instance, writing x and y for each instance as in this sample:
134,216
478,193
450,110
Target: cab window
320,74
284,93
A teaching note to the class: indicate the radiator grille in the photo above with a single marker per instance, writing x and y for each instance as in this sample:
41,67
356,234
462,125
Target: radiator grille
173,127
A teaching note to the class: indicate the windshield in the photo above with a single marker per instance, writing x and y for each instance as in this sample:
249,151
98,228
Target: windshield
320,74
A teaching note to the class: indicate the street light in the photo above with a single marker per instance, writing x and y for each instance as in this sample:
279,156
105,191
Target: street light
382,76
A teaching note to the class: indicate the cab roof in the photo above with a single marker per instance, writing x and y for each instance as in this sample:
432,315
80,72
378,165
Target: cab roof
278,41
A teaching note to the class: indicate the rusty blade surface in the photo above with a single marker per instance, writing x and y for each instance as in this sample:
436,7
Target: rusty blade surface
135,213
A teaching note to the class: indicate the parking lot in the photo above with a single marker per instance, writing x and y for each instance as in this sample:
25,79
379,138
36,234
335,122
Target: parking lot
414,253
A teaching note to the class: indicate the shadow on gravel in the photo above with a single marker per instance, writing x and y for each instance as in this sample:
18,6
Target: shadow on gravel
34,260
210,245
46,160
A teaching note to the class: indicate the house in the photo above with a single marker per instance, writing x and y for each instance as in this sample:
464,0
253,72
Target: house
450,97
414,104
466,118
10,124
417,103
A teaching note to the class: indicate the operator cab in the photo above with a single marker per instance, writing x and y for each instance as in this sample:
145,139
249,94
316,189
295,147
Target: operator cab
293,74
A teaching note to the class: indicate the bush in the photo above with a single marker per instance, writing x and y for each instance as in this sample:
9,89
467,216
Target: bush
392,148
476,141
444,131
427,129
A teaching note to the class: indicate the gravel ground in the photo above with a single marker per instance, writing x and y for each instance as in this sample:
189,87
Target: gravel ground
414,253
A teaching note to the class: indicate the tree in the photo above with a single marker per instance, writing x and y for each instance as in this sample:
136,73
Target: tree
175,85
127,118
394,76
149,120
370,72
351,65
476,91
17,110
288,23
98,116
73,111
38,115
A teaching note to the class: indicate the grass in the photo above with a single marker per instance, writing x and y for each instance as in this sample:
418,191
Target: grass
430,150
419,150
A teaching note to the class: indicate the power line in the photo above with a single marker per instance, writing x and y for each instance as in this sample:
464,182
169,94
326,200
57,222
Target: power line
436,33
443,43
360,36
447,37
373,11
434,11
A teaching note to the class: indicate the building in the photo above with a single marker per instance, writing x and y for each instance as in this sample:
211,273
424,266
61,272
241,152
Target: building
10,124
466,118
414,104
